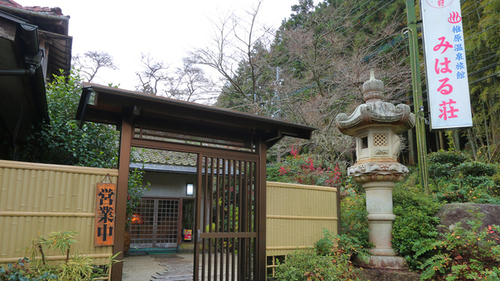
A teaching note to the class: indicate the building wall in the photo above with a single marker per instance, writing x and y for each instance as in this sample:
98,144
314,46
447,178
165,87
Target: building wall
168,185
36,199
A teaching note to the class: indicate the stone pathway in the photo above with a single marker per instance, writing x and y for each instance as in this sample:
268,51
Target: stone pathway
166,267
177,268
171,267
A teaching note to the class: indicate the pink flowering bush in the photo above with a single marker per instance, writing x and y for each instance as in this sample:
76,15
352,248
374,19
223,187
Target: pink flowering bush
303,169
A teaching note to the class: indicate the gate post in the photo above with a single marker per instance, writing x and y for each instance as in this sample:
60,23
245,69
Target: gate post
121,197
261,259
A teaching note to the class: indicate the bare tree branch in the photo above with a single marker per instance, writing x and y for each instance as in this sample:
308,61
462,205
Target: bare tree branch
91,62
153,74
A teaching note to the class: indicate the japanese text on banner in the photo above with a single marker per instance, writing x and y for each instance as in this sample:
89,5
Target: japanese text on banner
447,83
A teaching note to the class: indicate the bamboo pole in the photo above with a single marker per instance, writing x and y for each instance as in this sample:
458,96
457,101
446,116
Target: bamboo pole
417,97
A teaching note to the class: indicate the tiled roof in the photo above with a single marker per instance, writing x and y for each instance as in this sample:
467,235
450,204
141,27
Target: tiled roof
11,3
163,157
37,9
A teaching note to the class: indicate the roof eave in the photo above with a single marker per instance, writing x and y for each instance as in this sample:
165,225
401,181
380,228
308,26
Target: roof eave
107,97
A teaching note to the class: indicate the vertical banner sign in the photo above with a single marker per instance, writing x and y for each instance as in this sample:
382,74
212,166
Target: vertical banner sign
447,83
104,234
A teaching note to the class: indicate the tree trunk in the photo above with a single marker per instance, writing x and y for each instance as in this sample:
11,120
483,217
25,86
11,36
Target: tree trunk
456,140
472,143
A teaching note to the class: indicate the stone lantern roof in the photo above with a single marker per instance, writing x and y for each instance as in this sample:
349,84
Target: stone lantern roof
375,111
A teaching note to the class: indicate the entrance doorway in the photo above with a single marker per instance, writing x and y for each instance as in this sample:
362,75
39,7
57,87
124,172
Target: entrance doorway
155,224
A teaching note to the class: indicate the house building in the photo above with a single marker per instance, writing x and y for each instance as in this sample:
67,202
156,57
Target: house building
34,45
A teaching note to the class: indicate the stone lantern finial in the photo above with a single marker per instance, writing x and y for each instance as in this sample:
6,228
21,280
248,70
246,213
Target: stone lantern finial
373,89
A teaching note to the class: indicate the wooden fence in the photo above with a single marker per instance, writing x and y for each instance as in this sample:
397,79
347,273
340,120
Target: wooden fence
296,217
36,199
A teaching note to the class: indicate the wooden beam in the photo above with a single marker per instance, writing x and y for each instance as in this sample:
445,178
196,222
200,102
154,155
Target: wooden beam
207,151
121,201
45,214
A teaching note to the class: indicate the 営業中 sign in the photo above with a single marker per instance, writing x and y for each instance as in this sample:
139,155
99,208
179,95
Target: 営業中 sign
105,214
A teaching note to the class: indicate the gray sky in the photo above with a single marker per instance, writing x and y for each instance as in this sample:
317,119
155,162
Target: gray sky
165,29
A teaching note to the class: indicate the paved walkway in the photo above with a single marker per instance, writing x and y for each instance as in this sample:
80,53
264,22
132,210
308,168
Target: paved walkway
171,267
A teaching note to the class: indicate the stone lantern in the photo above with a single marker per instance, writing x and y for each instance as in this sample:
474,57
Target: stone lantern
376,125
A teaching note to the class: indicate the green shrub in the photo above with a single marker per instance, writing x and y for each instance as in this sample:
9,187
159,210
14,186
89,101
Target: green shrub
481,190
326,245
442,164
63,140
495,190
343,244
308,265
466,254
452,193
477,169
414,230
454,180
447,157
352,247
274,174
354,222
323,262
304,169
438,170
77,267
22,272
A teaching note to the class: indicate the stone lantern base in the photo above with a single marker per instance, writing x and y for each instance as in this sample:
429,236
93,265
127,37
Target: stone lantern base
380,217
383,262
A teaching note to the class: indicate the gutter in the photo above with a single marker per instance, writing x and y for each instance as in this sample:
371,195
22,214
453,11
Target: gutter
34,14
41,15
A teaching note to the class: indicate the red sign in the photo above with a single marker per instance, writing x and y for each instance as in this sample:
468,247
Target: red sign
188,234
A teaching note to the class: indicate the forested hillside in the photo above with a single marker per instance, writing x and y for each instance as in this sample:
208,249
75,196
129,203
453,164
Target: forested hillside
317,61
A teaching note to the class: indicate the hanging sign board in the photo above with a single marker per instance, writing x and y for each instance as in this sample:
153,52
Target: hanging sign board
444,48
104,234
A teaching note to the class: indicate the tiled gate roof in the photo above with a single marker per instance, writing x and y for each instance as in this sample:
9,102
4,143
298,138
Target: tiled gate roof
163,157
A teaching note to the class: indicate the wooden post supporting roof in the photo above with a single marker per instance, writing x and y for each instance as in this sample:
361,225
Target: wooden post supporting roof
261,213
122,191
162,123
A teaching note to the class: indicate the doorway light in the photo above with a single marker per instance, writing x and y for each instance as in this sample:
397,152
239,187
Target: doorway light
189,189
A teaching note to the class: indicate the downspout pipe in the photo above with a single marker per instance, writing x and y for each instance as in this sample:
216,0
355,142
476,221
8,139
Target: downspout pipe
30,71
33,54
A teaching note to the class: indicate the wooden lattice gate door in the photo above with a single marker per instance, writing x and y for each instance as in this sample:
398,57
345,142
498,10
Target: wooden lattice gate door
226,219
155,224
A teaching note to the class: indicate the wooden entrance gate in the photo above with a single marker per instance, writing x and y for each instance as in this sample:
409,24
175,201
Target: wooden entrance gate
226,248
213,133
